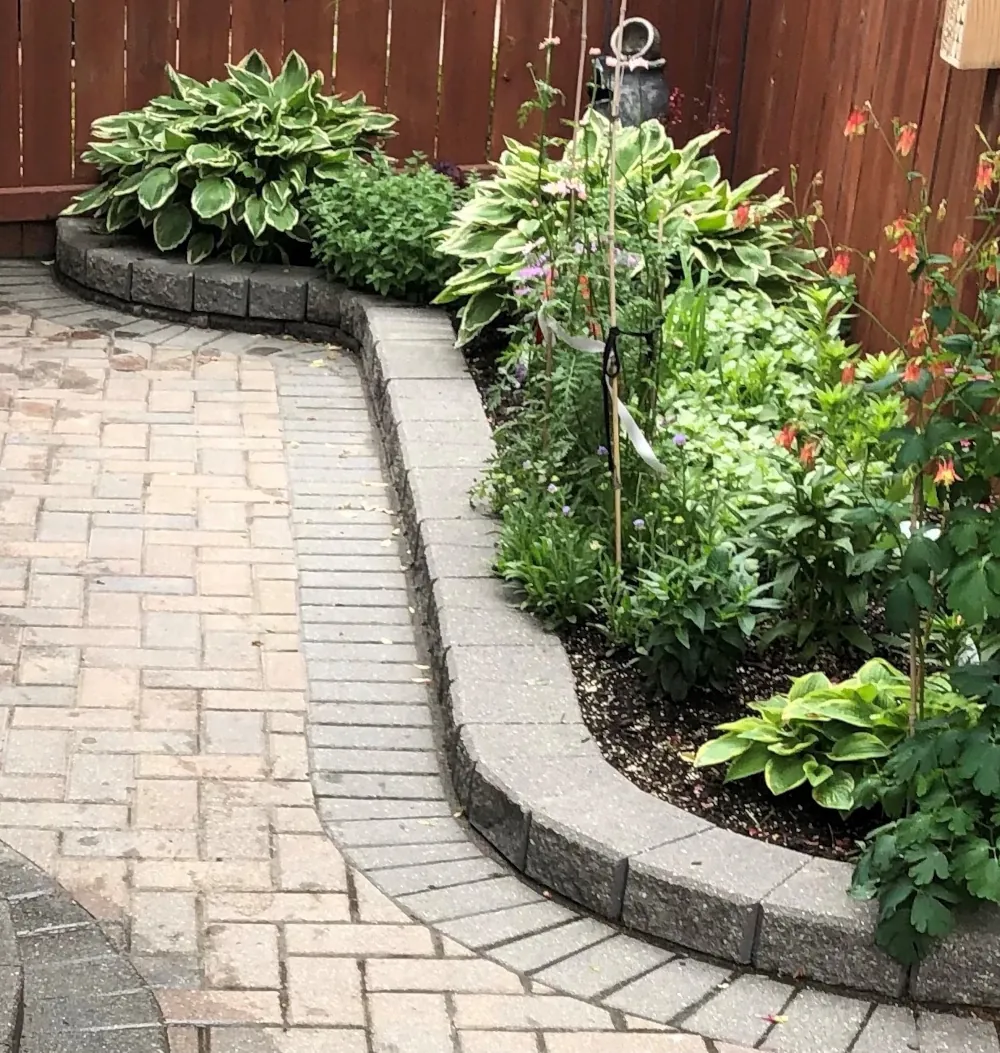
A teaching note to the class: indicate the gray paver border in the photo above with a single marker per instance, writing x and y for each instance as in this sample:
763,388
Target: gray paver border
530,778
62,979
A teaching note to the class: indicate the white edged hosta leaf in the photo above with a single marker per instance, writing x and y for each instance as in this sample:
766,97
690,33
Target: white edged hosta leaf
200,246
171,226
212,195
157,188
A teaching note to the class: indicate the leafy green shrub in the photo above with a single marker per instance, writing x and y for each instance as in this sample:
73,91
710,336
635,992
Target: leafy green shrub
222,166
938,853
689,620
707,225
374,228
829,736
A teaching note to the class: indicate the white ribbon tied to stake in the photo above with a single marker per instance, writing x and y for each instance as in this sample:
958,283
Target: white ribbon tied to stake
553,330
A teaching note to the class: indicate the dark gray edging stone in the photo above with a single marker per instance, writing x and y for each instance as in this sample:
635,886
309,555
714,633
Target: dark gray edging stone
64,986
531,778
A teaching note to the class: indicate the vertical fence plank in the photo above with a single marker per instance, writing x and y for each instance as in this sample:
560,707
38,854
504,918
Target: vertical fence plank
203,38
566,17
258,24
732,22
466,80
413,75
151,44
309,31
10,99
522,28
46,92
99,68
362,52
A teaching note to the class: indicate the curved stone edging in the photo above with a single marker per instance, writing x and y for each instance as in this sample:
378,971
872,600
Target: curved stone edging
64,987
531,778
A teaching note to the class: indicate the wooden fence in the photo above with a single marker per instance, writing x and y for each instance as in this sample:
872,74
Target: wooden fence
782,74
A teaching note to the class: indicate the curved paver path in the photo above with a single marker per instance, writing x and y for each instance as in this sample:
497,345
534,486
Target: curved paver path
171,501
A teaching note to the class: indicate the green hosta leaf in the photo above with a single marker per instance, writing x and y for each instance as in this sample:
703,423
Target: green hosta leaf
477,314
212,195
123,212
172,226
129,185
253,216
276,194
200,246
238,253
783,774
720,750
859,746
89,200
157,188
207,155
836,792
753,762
293,77
283,219
806,685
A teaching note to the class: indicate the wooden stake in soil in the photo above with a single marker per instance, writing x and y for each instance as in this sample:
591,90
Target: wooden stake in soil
616,453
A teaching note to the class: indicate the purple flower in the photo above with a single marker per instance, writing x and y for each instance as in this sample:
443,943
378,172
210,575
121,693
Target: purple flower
521,372
602,451
522,290
639,524
552,488
532,271
566,510
680,439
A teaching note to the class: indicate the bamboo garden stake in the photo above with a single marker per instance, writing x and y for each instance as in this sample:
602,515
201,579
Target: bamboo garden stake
616,457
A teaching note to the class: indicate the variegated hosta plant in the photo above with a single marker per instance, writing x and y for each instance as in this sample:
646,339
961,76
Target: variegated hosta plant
537,206
220,167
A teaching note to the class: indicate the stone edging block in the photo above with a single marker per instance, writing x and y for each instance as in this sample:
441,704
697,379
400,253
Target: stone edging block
532,780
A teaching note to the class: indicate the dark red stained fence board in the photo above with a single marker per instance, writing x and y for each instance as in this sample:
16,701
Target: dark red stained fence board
413,75
464,125
362,35
732,17
203,38
10,118
11,241
258,24
28,203
152,43
309,31
99,68
46,45
522,28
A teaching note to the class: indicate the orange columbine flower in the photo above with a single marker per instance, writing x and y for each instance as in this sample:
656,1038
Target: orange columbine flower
848,374
959,249
841,265
786,437
906,248
857,124
906,139
807,455
741,217
912,372
938,368
946,473
984,174
991,272
919,337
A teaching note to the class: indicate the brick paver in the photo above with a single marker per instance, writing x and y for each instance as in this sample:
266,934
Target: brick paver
155,685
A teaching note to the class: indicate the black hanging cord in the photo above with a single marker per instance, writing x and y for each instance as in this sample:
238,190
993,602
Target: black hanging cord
611,365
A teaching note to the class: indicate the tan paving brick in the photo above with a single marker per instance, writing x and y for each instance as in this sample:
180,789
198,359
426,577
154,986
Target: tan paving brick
624,1043
224,579
100,777
310,863
113,609
166,804
220,1007
393,1017
289,759
284,671
297,1040
440,974
492,1042
242,956
164,922
239,875
166,710
324,991
360,941
101,886
277,907
49,665
36,752
109,688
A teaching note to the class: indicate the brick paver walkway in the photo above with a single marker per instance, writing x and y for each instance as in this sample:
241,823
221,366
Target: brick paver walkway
153,702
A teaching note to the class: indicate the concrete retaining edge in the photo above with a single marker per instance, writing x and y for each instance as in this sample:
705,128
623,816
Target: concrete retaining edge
524,766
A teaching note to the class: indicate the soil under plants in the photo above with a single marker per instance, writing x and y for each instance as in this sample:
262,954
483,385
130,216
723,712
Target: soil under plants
645,736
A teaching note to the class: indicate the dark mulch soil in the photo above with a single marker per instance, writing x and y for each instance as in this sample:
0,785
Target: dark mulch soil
645,736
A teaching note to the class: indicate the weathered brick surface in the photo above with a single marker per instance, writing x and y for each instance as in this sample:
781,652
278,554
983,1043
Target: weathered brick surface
155,737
